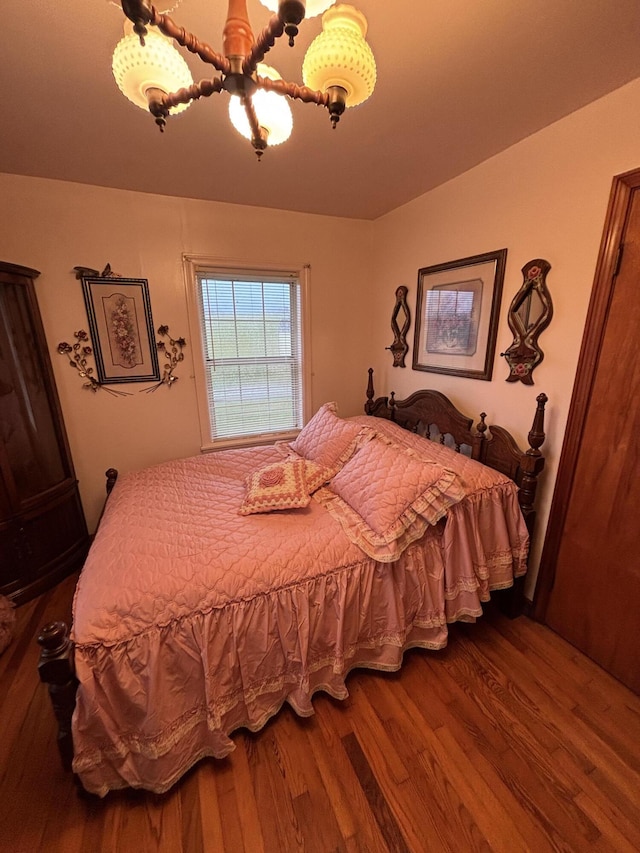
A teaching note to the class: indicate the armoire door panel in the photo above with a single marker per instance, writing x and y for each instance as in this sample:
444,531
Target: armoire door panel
27,423
43,534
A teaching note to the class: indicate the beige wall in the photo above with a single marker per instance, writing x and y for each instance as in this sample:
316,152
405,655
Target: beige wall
545,197
54,226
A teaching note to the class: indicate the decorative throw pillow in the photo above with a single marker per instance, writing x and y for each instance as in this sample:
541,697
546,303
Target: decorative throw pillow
315,475
282,485
386,496
330,440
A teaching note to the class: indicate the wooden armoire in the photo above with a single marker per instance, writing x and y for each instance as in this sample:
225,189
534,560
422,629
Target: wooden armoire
43,534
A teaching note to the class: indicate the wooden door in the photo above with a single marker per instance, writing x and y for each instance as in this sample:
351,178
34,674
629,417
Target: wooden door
589,587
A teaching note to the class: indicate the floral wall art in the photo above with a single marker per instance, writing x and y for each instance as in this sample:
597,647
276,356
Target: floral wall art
121,326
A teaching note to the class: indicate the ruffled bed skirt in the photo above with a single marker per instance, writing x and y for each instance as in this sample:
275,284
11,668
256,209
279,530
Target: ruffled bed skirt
150,707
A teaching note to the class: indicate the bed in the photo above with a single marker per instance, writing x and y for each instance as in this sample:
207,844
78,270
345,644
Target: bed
221,586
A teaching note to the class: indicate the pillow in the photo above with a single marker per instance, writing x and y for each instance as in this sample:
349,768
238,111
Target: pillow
386,496
329,440
315,475
282,485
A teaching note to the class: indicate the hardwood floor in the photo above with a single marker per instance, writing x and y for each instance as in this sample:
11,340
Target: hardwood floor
507,740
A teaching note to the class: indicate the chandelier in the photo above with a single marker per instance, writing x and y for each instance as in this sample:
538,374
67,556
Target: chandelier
338,71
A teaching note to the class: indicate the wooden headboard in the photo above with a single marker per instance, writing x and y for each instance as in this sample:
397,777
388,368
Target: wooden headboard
433,415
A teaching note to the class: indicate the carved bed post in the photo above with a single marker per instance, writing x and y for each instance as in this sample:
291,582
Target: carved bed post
56,670
368,406
380,407
513,601
479,437
392,406
532,464
112,475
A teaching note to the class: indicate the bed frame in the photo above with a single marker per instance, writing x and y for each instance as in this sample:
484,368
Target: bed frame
428,413
434,416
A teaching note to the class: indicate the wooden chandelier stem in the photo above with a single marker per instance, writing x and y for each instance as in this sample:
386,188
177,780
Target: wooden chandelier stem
237,36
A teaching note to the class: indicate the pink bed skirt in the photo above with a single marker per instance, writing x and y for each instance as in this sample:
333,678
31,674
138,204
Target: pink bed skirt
175,694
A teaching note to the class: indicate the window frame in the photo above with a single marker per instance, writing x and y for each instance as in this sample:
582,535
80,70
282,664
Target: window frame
195,265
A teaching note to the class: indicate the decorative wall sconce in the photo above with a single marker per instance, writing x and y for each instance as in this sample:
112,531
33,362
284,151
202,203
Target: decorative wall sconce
172,351
530,313
78,355
399,348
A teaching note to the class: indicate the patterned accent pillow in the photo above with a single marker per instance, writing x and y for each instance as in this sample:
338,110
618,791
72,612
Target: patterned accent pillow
283,485
315,475
386,496
329,440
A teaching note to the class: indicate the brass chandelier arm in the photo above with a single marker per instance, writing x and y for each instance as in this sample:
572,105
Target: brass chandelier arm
168,26
263,44
203,89
142,13
294,91
258,135
160,102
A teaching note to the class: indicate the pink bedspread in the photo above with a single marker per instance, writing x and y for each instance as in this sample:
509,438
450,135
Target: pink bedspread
191,621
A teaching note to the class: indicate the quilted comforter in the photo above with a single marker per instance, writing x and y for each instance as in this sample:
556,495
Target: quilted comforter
192,620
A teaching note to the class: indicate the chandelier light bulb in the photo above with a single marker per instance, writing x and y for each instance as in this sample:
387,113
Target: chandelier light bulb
157,65
340,56
314,7
272,110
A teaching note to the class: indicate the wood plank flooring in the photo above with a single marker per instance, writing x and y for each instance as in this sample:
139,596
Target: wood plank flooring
507,740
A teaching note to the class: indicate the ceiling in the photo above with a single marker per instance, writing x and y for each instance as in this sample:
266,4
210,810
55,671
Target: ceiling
458,81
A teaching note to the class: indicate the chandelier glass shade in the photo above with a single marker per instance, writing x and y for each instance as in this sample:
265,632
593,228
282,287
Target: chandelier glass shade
339,70
156,66
272,110
340,56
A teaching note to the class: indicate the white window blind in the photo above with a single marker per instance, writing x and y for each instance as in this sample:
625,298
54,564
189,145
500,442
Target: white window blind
252,348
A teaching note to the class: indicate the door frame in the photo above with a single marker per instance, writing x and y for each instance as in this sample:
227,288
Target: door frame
595,328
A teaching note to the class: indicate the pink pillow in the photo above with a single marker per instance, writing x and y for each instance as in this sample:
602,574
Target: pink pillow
330,440
282,485
387,495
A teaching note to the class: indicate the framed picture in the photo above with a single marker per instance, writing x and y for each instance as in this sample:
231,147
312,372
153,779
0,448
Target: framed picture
122,331
457,312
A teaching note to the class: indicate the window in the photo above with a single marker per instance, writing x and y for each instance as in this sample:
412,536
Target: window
250,325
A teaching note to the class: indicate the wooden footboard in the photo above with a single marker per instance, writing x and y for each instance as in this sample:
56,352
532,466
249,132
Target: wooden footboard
56,669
